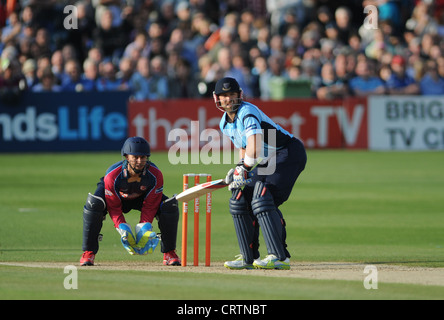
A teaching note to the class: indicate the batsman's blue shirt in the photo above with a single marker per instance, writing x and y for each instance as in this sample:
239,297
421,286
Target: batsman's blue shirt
250,120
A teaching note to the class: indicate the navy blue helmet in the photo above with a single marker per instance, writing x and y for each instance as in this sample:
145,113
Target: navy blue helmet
227,85
136,146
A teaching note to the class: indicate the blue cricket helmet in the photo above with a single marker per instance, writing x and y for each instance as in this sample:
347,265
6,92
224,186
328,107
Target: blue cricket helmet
136,146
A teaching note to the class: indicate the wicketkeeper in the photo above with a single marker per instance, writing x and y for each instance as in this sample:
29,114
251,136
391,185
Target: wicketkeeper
134,183
258,193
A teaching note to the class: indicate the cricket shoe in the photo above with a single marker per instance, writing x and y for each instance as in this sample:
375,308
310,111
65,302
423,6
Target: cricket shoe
171,259
87,258
272,262
238,264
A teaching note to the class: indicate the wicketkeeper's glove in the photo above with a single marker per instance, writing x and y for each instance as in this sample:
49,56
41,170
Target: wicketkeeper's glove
127,238
146,238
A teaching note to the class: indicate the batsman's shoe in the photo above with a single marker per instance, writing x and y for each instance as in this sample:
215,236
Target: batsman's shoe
87,258
171,259
146,238
238,264
272,262
127,238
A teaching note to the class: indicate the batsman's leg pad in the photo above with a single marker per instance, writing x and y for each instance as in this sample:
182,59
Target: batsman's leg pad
146,238
269,220
93,213
243,225
127,238
284,233
168,218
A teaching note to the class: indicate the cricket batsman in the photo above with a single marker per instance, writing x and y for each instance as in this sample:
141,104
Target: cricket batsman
257,193
133,183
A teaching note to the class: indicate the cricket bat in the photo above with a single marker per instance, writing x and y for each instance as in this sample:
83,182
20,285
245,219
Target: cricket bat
207,187
200,189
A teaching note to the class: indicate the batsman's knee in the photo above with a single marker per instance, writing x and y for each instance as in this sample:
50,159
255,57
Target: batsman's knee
262,199
238,204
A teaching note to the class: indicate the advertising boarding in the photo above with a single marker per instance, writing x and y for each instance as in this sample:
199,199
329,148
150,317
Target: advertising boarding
67,121
406,122
319,124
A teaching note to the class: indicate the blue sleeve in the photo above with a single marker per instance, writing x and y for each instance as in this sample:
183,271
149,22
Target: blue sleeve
251,120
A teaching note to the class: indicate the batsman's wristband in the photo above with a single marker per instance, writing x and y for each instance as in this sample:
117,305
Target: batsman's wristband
249,162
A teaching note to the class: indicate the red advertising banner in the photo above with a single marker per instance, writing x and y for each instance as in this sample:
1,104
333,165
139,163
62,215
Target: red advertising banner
319,124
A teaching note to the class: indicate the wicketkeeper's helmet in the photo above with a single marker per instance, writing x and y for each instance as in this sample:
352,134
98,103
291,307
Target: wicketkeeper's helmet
136,146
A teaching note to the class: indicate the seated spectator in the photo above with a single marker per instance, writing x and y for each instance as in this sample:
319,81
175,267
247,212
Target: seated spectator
343,20
12,29
109,39
245,36
399,82
81,37
225,60
261,76
108,80
90,72
365,83
158,81
309,72
263,41
341,64
209,74
138,48
385,72
179,43
377,46
202,31
432,83
58,65
330,87
95,54
184,84
293,72
41,45
29,72
139,82
47,82
126,70
12,82
73,81
42,64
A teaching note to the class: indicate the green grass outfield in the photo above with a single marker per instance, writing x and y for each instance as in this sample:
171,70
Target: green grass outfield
348,206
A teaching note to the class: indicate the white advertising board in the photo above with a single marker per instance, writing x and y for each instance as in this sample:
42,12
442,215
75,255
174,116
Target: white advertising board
406,122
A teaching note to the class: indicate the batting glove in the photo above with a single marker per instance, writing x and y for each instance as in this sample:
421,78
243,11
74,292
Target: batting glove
127,238
241,176
146,238
229,176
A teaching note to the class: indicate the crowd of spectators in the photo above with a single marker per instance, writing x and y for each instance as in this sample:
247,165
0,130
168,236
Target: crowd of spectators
163,49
